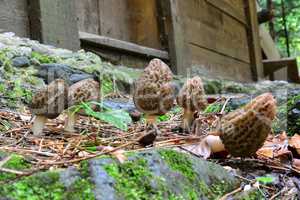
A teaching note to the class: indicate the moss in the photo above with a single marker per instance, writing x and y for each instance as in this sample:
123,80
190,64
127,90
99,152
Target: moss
16,162
41,186
179,162
196,187
42,58
134,180
46,186
252,195
81,189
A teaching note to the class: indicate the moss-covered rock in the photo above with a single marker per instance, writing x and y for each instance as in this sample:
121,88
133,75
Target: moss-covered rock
163,174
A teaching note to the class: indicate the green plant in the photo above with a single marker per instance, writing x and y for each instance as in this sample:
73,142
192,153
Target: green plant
117,118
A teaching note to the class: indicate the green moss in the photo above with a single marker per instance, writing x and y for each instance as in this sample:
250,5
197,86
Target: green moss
253,195
179,162
16,162
196,187
42,58
134,180
81,189
42,186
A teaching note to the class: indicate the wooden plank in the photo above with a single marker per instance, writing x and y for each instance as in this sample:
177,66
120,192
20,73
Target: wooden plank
213,65
254,40
210,28
267,43
271,66
143,23
123,46
54,22
88,16
14,17
114,19
177,48
233,8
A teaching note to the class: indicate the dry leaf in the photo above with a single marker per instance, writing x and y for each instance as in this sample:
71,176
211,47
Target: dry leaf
296,163
119,154
294,142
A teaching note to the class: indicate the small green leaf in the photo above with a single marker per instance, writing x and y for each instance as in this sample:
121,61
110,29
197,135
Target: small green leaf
265,179
163,118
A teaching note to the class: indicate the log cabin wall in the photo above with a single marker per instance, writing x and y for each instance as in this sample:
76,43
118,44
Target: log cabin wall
213,38
127,20
14,17
216,38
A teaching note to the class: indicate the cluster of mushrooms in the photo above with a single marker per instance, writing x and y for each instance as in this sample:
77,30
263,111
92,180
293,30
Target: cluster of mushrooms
51,101
241,132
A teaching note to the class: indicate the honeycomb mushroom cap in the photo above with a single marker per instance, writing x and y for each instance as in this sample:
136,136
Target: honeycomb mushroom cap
153,91
83,91
245,130
51,100
192,95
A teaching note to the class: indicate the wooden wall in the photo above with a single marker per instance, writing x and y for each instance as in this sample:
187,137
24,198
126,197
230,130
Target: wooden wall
212,36
128,20
14,17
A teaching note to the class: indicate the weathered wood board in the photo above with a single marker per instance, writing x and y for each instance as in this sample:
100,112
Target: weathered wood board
53,22
212,35
128,20
14,17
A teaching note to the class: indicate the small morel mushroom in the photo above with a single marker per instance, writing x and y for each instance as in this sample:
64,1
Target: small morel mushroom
192,98
244,131
82,91
154,93
48,103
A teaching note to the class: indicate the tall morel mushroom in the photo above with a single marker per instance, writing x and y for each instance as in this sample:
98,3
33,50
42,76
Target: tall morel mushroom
244,131
154,93
48,103
82,91
192,98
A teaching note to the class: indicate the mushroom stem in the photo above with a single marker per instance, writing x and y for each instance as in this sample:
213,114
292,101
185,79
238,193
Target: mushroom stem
188,118
150,119
70,122
38,125
215,143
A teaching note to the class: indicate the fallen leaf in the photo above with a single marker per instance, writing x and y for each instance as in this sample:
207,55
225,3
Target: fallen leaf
296,163
119,154
294,142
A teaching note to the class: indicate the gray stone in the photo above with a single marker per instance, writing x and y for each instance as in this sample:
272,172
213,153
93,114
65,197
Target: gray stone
69,176
20,62
104,184
50,72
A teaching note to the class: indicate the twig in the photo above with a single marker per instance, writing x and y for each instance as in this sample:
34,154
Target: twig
13,171
5,160
231,193
224,106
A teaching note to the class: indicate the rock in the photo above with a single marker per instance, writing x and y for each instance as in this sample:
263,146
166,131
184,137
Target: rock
155,174
20,62
297,105
295,113
50,72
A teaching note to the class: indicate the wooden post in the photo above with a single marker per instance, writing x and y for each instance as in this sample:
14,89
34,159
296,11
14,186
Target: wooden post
177,50
254,40
54,22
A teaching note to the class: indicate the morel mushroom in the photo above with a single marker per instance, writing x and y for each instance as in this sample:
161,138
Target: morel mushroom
244,131
154,93
48,103
82,91
192,98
